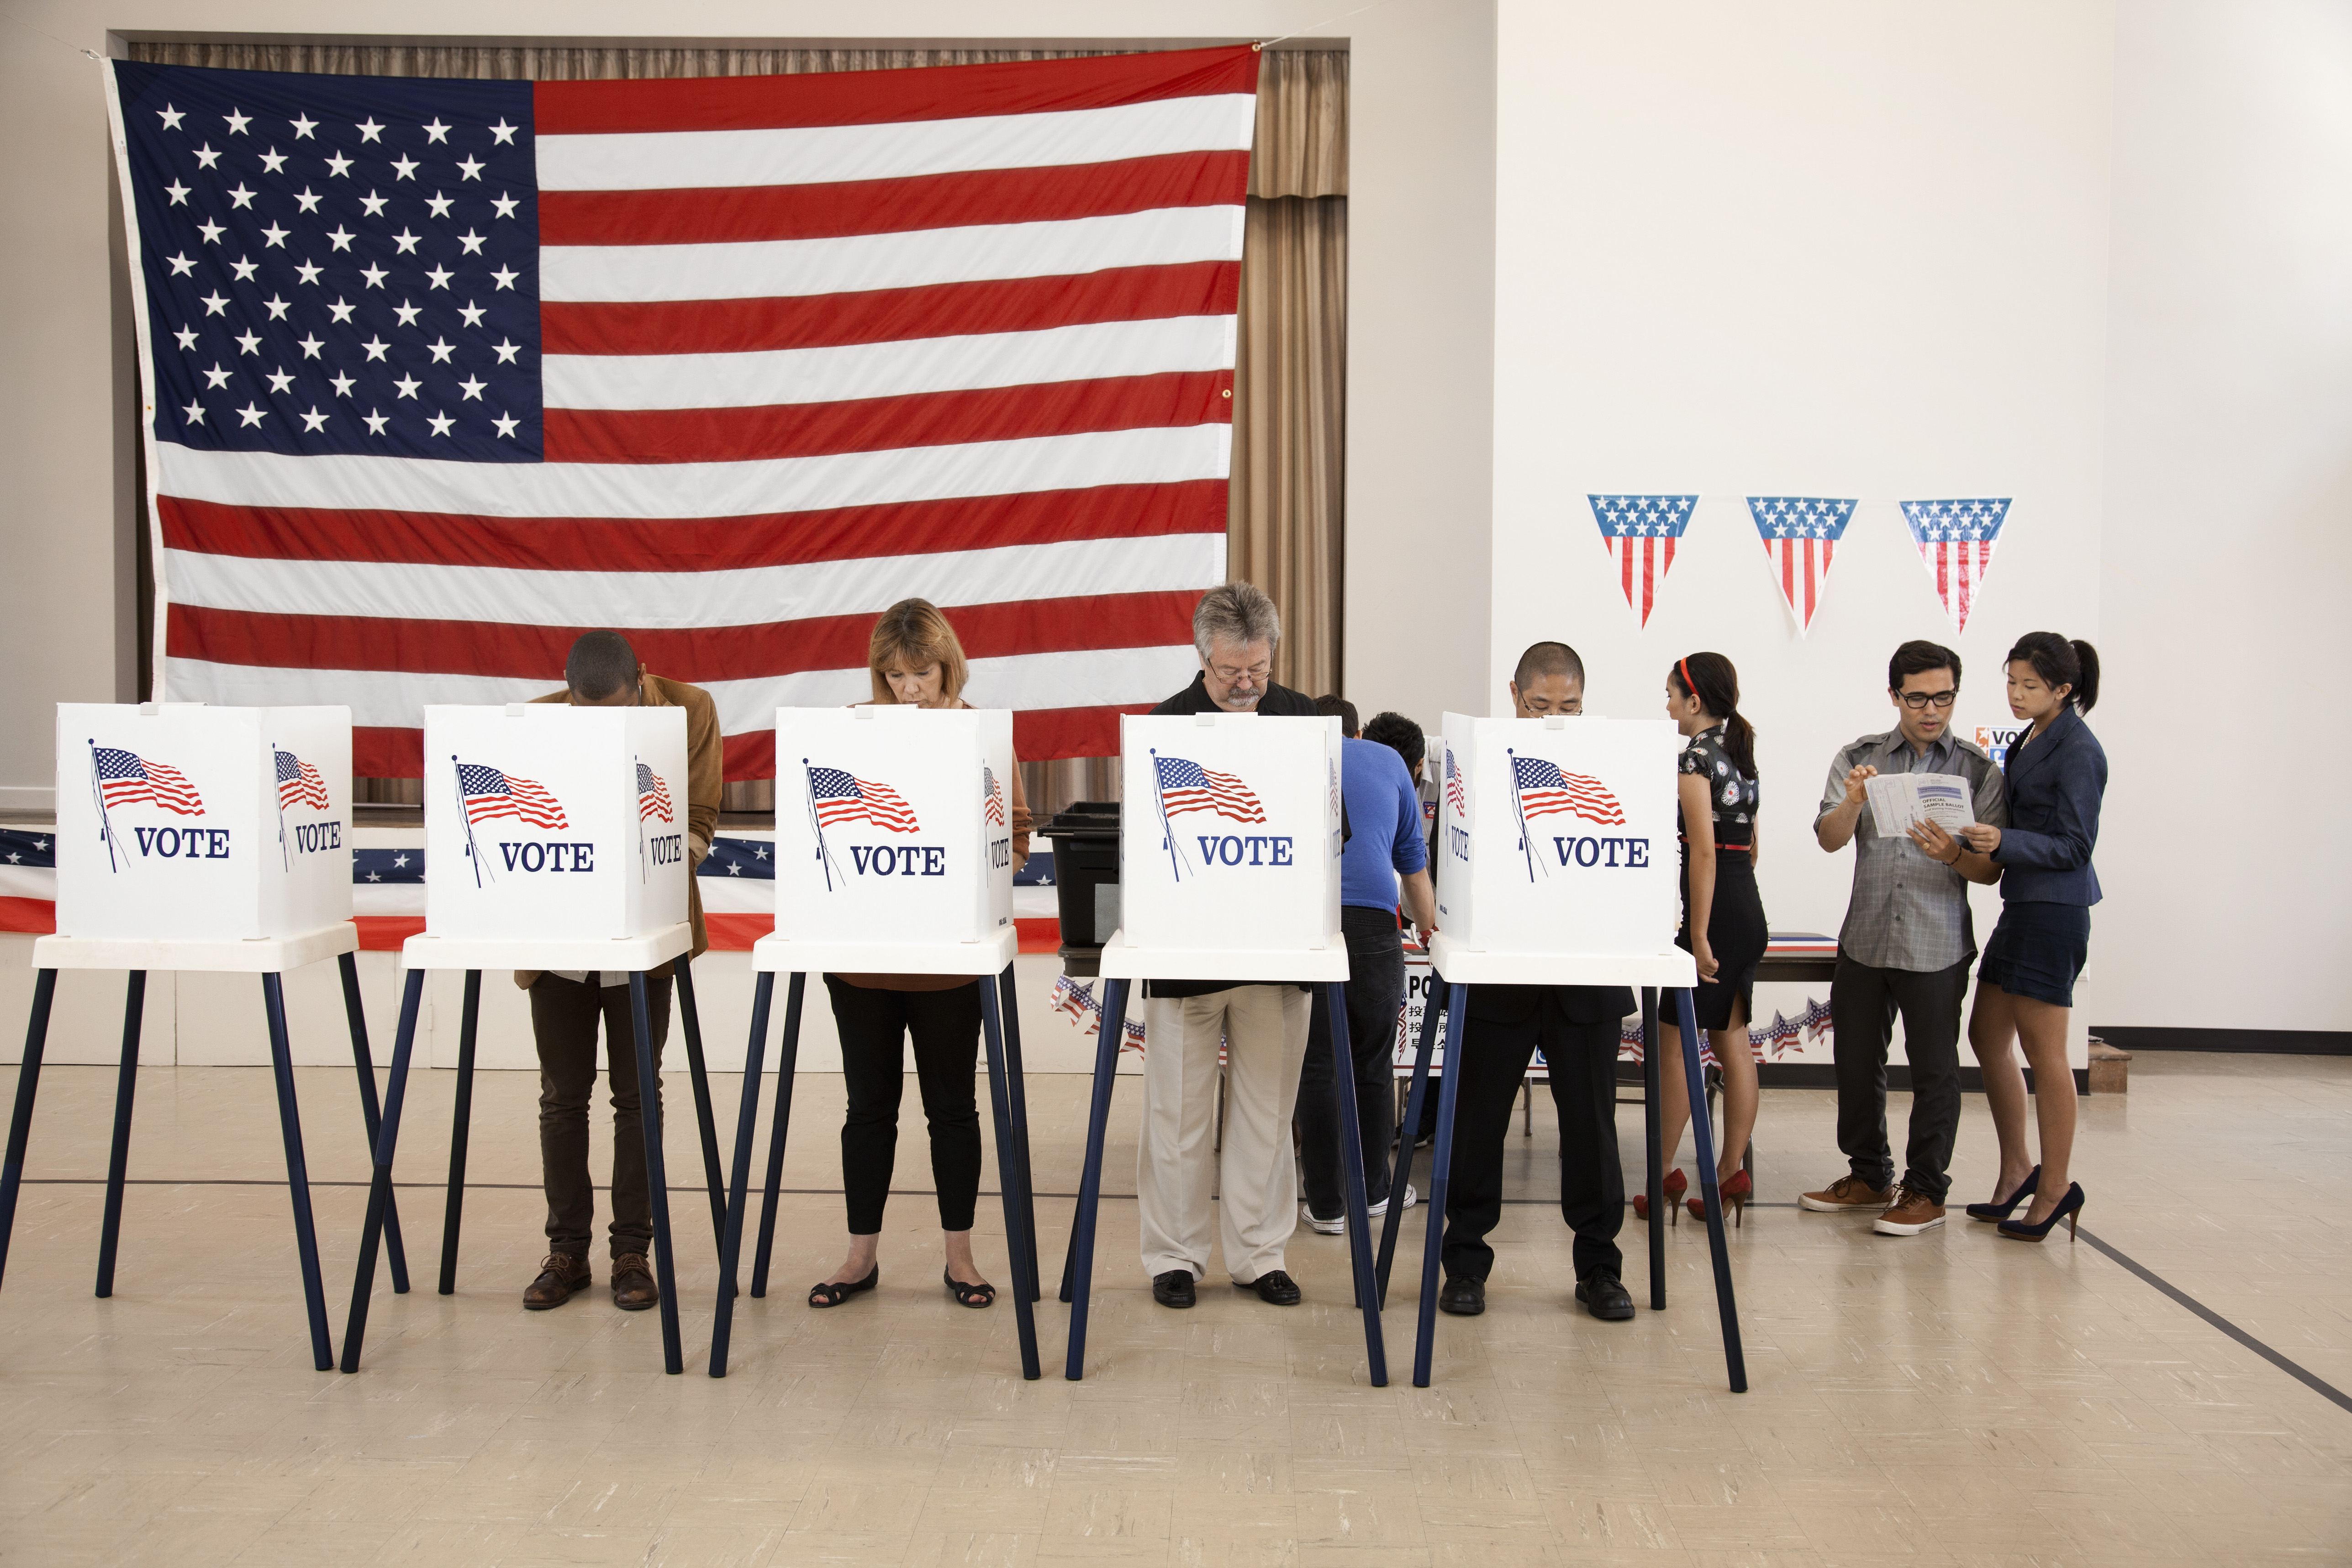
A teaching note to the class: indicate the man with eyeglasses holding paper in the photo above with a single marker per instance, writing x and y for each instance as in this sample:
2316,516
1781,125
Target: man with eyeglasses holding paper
1906,945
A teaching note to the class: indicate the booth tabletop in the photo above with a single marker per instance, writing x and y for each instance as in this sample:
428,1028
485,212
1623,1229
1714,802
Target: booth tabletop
623,955
1259,965
261,955
1456,965
780,956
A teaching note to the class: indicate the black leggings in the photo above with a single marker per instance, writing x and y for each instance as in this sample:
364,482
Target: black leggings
946,1029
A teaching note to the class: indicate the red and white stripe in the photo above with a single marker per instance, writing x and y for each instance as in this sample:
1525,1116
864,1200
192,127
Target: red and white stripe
1959,566
1798,568
811,344
1641,566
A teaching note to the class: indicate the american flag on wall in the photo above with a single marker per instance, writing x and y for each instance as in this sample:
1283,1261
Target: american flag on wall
1799,533
1956,540
1641,532
442,373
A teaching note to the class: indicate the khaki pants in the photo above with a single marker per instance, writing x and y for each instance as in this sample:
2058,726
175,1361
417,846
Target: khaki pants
1265,1028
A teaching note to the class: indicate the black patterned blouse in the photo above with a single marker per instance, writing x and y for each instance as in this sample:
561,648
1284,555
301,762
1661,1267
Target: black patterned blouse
1735,795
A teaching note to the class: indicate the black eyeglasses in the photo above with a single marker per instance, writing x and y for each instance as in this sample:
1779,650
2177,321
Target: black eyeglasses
1916,700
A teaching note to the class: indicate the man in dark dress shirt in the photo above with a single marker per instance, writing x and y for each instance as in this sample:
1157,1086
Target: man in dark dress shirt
1577,1026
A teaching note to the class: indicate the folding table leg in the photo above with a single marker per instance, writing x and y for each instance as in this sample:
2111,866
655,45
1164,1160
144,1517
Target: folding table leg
1407,1131
20,1124
1351,1183
461,1123
364,1060
1657,1156
1082,1228
298,1175
656,1179
747,1121
387,1140
1449,1090
787,1062
714,1175
1008,1173
1716,1245
1016,1082
117,1161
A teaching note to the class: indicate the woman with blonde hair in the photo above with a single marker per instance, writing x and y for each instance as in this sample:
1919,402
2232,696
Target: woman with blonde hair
914,657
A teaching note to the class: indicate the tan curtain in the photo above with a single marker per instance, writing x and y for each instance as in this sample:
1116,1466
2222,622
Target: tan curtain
1284,513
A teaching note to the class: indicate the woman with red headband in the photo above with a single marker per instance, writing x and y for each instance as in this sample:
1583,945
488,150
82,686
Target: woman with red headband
1723,914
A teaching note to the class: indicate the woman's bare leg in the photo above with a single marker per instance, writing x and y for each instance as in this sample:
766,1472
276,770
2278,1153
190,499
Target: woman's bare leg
2041,1025
960,1264
862,1250
1674,1097
1737,1059
1992,1034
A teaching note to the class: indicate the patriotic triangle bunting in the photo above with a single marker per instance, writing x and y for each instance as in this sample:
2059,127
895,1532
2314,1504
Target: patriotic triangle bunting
1801,534
1641,532
1956,540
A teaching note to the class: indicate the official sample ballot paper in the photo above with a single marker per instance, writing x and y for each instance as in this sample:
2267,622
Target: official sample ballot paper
1898,800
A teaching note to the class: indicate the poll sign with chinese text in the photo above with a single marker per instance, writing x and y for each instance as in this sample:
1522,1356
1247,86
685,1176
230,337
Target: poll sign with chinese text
1230,834
1558,835
181,821
893,824
555,823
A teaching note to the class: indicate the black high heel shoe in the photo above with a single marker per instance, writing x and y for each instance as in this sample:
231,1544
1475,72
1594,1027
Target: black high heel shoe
2068,1208
2008,1205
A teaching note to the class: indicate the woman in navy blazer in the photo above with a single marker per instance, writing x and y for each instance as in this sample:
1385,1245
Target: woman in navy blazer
2057,774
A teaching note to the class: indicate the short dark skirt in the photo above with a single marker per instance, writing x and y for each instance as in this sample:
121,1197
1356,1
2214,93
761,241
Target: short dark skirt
1737,932
2038,951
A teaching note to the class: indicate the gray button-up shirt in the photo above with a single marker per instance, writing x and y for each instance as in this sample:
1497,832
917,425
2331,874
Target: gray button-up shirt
1908,911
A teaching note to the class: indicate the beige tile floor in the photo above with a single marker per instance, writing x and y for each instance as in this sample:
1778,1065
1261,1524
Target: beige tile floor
1952,1399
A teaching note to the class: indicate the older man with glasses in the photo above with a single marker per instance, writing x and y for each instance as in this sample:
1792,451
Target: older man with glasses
1236,630
1906,945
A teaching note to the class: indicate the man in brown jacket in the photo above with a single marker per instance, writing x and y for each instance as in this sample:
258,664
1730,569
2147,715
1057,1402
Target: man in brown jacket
602,671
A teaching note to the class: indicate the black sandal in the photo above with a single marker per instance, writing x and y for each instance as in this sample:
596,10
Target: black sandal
833,1293
968,1295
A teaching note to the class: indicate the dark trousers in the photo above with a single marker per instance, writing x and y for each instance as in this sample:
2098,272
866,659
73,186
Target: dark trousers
1375,994
874,1025
1863,1003
1583,1062
565,1014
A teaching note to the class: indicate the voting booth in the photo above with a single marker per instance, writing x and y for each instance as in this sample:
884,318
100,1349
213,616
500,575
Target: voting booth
1229,869
894,855
199,838
557,836
1558,864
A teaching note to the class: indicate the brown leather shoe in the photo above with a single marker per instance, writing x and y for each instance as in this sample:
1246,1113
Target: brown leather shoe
633,1283
1847,1193
1910,1214
561,1277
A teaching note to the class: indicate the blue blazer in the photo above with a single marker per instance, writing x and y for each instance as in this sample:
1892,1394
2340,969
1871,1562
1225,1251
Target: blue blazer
2055,785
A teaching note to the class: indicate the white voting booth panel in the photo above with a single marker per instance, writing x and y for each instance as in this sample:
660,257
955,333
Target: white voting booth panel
178,822
552,823
894,825
1230,841
1556,836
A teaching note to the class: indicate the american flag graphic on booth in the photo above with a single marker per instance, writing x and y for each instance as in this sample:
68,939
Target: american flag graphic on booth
1545,789
1454,794
1799,533
993,800
838,796
1188,786
299,783
653,796
1641,532
487,792
126,778
1956,540
443,371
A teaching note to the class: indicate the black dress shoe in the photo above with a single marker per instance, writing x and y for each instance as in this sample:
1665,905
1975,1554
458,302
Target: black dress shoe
1605,1297
1275,1289
1173,1288
1463,1296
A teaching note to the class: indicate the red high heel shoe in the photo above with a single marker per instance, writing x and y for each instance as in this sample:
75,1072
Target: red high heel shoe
1735,1191
1676,1185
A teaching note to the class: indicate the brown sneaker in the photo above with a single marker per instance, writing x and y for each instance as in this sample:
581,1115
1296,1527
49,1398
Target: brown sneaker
1910,1214
561,1277
1847,1193
633,1283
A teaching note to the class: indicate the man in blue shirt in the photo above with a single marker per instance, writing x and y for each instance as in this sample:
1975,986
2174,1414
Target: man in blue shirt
1386,847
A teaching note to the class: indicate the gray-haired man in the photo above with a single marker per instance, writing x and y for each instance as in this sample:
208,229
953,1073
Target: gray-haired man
1236,630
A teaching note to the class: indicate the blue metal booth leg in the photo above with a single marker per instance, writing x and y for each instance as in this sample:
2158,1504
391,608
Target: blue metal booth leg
20,1124
365,1061
117,1160
387,1140
1081,1267
714,1175
787,1057
747,1120
1017,1081
1008,1175
1449,1090
1703,1131
1650,1083
1351,1183
461,1123
1431,1006
657,1177
298,1175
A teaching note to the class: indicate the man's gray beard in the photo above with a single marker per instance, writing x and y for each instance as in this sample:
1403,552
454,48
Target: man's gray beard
1248,705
